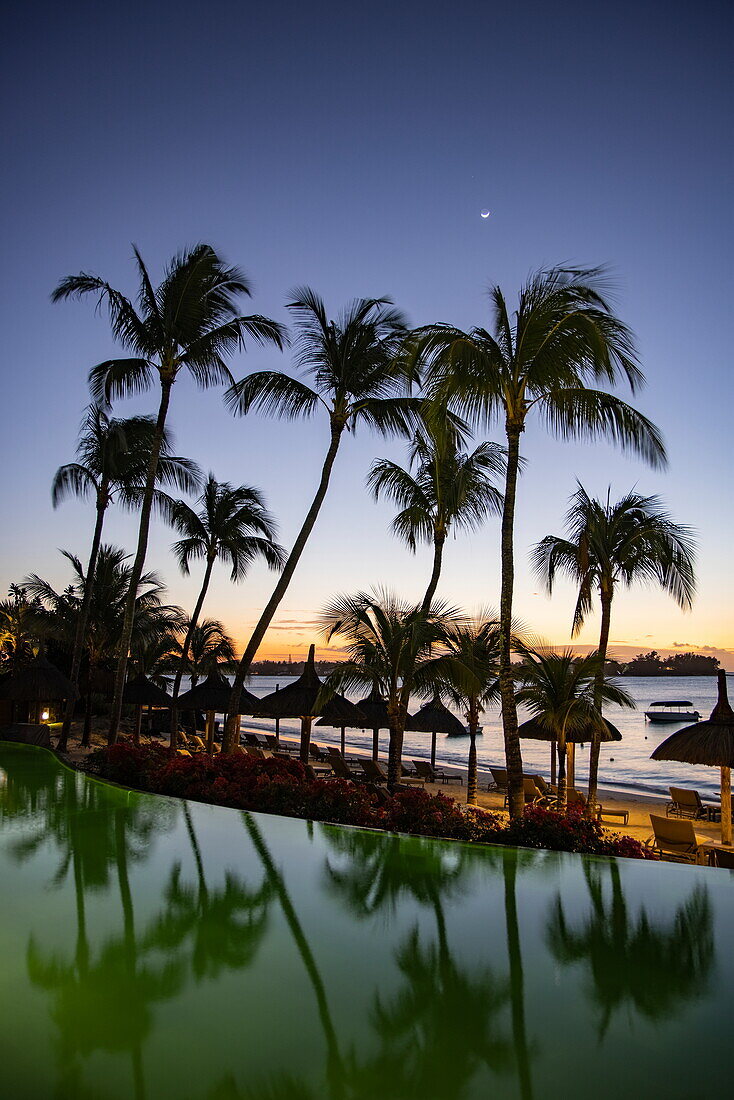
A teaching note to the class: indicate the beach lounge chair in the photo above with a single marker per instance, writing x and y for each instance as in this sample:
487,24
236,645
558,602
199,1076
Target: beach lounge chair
431,774
409,776
499,779
342,770
546,789
373,770
576,798
676,840
687,803
533,796
722,857
272,742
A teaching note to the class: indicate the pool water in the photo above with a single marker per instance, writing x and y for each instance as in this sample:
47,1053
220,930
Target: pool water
154,948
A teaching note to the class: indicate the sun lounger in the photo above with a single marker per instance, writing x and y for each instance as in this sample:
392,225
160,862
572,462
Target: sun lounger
687,803
408,776
499,779
341,770
432,774
722,857
533,795
546,789
272,742
373,770
674,839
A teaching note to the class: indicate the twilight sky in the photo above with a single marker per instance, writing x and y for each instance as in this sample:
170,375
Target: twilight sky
352,149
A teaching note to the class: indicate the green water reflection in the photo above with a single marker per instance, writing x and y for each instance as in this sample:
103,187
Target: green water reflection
155,948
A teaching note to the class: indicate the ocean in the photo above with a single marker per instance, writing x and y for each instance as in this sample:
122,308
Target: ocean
624,765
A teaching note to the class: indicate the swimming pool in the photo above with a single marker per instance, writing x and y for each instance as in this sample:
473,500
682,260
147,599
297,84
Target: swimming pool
155,948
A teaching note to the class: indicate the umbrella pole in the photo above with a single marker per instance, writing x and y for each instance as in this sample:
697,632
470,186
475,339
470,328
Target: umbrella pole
343,744
375,744
433,749
210,731
726,806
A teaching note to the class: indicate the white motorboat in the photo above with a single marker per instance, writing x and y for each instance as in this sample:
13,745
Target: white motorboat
672,710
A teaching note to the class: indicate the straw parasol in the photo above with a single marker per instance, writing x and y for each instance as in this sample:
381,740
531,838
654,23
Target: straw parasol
534,730
433,717
39,682
301,700
212,696
374,708
142,692
712,743
333,715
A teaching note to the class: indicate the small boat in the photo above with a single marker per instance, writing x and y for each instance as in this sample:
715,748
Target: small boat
672,710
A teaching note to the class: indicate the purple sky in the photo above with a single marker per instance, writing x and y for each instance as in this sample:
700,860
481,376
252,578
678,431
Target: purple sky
353,150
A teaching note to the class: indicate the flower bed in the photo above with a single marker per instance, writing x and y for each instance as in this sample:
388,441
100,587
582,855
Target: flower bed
280,786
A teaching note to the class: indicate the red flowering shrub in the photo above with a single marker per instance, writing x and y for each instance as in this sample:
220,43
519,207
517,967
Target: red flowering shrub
283,786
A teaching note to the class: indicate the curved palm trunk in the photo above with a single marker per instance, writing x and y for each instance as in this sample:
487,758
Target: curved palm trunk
306,723
139,562
517,991
513,756
562,768
185,651
231,733
395,753
606,617
81,626
335,1064
438,541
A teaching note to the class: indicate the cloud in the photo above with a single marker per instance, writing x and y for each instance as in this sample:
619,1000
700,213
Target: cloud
687,645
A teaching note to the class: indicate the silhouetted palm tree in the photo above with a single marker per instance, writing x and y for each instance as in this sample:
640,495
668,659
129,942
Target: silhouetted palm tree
562,337
22,625
469,671
113,457
631,541
188,323
389,644
560,690
356,381
449,490
232,525
210,649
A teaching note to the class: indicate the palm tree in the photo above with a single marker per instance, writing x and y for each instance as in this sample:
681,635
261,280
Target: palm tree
562,337
210,649
450,489
469,669
633,540
232,525
21,626
357,380
560,690
152,618
390,644
190,322
113,456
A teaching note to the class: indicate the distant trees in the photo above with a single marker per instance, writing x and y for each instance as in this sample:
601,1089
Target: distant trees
680,664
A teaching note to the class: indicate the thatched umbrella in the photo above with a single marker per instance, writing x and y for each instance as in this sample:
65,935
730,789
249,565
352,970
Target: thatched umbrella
142,692
39,682
433,718
534,730
212,696
300,700
374,708
711,743
333,714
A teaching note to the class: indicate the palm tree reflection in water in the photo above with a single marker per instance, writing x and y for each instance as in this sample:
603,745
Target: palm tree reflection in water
631,960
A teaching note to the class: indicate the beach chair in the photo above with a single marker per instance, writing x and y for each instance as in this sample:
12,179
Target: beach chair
499,779
675,840
199,743
342,770
272,742
183,752
533,795
722,857
548,790
408,776
373,770
431,774
687,803
576,798
253,740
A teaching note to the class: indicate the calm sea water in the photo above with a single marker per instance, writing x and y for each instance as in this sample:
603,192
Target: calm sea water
625,765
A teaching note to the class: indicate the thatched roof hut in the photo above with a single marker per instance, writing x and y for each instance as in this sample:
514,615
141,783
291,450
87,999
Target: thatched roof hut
374,711
144,693
38,682
711,743
213,694
536,731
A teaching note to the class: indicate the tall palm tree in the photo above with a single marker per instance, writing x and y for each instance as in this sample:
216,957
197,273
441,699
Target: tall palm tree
188,323
389,644
113,456
560,690
562,337
449,489
152,618
469,668
356,380
631,541
232,525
